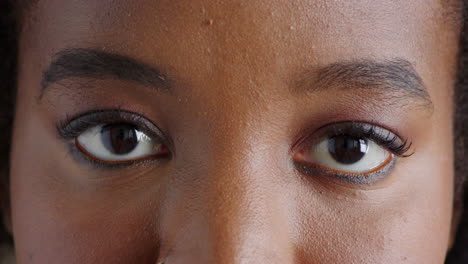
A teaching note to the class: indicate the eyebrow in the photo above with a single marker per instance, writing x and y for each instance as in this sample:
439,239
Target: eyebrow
397,78
96,64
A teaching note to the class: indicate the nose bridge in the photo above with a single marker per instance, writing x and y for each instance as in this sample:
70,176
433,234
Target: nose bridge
246,224
241,219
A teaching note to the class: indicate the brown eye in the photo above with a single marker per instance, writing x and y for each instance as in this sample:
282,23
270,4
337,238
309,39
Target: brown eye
114,143
119,139
347,150
346,155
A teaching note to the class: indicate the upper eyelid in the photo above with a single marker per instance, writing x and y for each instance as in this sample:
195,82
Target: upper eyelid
92,118
319,133
355,123
338,128
334,129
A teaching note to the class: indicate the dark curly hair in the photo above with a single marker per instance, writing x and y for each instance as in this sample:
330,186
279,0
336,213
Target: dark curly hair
8,51
9,27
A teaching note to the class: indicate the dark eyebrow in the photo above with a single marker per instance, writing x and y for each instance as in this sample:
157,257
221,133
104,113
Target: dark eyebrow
395,77
96,64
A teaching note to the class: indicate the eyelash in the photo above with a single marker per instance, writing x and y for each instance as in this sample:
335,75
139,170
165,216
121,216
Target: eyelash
71,127
391,141
385,138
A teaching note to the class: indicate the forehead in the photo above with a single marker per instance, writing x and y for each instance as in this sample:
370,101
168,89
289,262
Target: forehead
257,24
259,40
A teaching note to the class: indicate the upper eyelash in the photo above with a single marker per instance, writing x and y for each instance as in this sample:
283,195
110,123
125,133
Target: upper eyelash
384,137
400,149
391,141
72,127
68,131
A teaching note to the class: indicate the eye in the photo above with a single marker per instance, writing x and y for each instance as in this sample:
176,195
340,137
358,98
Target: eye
347,154
115,137
118,142
354,152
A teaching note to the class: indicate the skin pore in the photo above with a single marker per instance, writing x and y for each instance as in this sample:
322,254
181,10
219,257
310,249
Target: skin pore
240,90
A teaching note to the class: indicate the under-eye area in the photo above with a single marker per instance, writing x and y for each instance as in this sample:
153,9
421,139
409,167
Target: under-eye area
114,138
354,153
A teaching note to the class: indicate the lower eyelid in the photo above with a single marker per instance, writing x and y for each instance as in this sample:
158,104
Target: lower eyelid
93,157
349,179
390,158
366,178
87,162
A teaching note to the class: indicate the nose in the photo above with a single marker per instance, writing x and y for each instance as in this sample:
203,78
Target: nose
234,212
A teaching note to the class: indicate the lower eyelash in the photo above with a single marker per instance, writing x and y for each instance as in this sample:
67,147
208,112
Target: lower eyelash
70,128
394,144
348,178
79,157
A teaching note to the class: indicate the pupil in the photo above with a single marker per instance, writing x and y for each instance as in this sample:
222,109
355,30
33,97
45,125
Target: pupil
347,150
119,138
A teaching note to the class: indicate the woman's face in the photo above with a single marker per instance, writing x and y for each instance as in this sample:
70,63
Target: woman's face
234,132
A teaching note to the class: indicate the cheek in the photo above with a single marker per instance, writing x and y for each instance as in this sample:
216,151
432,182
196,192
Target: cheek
58,215
407,222
44,234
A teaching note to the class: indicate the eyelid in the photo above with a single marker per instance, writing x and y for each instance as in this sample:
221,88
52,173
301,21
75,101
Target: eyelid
391,142
395,143
105,166
116,162
390,158
69,127
72,127
352,180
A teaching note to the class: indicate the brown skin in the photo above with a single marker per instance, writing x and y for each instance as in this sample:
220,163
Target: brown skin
230,193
